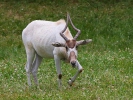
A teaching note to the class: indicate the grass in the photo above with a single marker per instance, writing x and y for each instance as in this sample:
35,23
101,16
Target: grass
107,61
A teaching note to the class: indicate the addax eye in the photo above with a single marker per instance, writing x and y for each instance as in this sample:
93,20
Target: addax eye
66,48
76,47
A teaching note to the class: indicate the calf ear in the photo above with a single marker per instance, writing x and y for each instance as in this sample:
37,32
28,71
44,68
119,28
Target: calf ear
83,42
57,44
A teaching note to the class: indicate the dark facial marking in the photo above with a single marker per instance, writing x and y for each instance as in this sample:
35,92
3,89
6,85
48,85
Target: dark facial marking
72,55
72,58
71,43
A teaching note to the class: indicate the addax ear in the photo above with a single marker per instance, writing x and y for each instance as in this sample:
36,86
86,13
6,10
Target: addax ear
57,44
83,42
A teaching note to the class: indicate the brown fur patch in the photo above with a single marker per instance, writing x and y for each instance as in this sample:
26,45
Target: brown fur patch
80,70
60,21
71,43
60,76
72,56
68,34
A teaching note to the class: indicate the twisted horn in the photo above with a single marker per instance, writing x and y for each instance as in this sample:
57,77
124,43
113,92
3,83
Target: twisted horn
65,29
78,31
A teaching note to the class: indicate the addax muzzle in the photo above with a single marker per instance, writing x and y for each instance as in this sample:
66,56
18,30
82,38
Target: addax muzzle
72,58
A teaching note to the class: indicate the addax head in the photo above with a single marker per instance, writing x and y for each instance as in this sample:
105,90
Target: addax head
71,45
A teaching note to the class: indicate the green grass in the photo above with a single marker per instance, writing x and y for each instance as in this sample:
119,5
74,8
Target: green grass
107,61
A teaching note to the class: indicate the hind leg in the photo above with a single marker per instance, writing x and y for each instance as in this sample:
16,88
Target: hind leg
36,64
30,57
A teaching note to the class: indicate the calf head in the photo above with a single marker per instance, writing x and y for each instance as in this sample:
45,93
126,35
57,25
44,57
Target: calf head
71,45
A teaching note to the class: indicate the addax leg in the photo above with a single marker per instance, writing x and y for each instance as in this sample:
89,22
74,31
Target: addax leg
70,82
30,56
58,69
35,65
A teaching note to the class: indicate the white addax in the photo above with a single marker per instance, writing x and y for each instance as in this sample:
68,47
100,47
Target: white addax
47,39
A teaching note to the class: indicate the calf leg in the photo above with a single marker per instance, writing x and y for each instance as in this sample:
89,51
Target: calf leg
70,82
58,69
36,64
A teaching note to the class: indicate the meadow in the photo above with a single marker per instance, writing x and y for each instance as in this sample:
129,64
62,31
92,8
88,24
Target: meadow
107,61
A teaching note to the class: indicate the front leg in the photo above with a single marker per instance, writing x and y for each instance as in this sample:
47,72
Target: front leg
70,82
58,69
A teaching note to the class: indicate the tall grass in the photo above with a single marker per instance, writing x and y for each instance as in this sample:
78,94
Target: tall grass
107,61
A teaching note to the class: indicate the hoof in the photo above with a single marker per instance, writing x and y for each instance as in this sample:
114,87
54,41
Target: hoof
70,82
